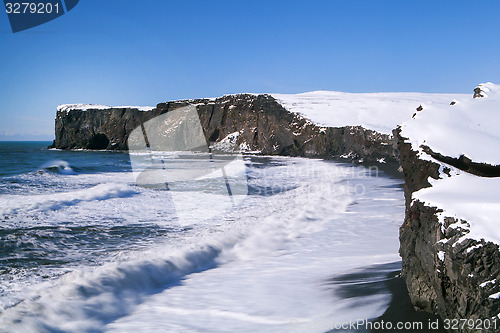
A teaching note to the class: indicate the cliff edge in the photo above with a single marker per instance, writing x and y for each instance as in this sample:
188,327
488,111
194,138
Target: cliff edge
450,236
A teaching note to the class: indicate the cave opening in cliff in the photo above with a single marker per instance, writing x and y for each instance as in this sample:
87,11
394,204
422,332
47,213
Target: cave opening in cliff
98,141
214,136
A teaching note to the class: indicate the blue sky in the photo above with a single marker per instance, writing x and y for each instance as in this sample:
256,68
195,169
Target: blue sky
122,52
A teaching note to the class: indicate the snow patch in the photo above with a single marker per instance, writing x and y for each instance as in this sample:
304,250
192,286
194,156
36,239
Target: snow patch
85,107
495,296
228,143
351,154
140,108
245,148
472,248
484,284
468,197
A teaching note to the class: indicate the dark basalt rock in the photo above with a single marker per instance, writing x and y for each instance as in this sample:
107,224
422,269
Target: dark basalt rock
264,126
451,288
98,141
466,164
478,92
77,129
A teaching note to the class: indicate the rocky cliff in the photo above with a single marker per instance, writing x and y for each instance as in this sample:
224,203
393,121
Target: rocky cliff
444,277
448,268
244,122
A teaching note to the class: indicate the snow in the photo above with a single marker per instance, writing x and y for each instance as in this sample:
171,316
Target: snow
495,296
472,198
85,107
245,148
472,248
140,108
484,284
228,143
469,127
380,112
441,255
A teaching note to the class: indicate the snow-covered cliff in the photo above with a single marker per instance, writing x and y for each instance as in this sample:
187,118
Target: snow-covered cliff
449,241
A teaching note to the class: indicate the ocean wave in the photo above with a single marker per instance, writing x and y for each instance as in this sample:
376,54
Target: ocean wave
58,166
82,301
88,299
16,204
270,255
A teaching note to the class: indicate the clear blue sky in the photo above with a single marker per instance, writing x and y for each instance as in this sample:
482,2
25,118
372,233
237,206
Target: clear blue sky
123,52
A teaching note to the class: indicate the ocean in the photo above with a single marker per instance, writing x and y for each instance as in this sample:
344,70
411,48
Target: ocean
301,245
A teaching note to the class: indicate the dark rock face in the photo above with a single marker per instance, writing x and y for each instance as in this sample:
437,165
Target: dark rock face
444,276
263,125
466,164
98,141
91,129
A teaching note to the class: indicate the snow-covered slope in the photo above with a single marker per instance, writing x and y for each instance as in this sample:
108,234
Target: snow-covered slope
468,197
470,127
381,112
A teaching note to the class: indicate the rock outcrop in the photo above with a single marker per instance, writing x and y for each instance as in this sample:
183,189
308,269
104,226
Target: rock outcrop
246,122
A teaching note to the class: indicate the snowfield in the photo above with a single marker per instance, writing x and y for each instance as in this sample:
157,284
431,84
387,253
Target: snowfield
381,112
470,127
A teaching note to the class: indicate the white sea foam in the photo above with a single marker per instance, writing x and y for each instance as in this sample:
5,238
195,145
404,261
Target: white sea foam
59,166
253,269
15,204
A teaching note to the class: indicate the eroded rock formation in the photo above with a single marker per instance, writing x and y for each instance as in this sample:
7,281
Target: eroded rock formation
258,123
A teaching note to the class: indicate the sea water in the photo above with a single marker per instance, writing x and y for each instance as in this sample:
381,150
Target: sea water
83,248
